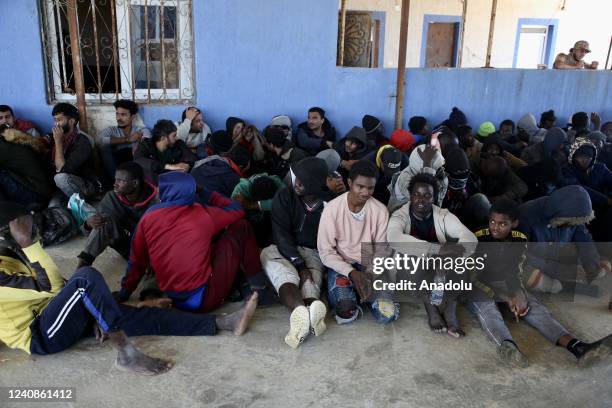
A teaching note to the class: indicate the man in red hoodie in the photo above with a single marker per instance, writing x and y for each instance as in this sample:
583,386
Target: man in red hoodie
179,239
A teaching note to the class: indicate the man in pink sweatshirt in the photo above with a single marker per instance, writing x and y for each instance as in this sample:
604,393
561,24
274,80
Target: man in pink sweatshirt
347,222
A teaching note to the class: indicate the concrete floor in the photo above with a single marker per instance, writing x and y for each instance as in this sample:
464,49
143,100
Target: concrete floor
363,364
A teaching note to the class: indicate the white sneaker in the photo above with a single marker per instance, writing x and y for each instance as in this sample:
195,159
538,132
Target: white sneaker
299,327
317,311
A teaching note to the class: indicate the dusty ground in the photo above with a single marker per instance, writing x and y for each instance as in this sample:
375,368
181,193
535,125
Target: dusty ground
363,364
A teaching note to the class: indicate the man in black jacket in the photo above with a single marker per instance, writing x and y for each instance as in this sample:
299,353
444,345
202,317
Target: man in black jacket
504,247
163,152
283,153
24,176
292,263
71,156
118,214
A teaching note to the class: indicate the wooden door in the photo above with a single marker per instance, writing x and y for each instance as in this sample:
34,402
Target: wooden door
441,45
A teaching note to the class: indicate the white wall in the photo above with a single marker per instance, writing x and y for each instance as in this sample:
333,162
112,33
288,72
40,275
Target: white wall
589,20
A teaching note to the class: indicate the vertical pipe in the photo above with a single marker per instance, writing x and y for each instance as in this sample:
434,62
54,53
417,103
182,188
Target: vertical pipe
608,57
73,27
342,28
115,51
491,29
162,37
146,23
401,65
463,18
97,48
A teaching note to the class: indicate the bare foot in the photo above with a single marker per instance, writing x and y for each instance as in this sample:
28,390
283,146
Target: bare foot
239,320
130,359
450,316
436,322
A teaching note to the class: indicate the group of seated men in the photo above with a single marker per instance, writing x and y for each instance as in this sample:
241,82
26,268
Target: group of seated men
205,217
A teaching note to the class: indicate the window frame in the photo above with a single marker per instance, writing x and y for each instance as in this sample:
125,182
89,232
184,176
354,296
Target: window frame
551,38
126,56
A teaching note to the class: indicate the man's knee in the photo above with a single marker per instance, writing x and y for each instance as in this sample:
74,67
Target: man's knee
385,311
61,179
92,275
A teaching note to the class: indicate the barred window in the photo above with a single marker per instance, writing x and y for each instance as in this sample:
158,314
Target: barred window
134,49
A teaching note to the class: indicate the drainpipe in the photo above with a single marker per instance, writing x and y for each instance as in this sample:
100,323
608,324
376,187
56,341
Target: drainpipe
342,34
73,27
463,16
491,28
401,65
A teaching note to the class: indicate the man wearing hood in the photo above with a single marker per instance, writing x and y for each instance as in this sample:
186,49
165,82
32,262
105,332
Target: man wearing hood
316,134
246,136
194,249
550,148
390,162
499,181
495,146
352,148
463,196
118,214
375,131
553,224
222,173
528,124
584,170
596,179
292,263
423,158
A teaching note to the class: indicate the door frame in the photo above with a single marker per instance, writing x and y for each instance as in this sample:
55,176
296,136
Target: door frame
551,37
439,18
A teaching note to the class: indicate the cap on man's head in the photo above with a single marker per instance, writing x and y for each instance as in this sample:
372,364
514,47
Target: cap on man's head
389,160
312,173
332,159
220,141
485,129
370,123
582,45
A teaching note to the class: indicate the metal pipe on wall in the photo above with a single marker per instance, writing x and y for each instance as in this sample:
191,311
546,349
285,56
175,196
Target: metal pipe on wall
340,61
491,29
463,17
401,65
75,48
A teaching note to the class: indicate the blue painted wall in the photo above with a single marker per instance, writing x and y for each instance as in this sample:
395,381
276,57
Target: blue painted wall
256,59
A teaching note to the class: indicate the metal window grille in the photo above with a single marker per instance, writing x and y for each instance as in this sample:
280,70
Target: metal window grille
133,49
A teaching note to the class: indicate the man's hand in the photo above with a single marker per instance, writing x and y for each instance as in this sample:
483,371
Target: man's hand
347,164
596,120
135,136
162,303
305,275
191,113
184,167
518,304
451,250
246,204
21,230
427,155
594,64
58,135
335,184
95,222
329,144
362,284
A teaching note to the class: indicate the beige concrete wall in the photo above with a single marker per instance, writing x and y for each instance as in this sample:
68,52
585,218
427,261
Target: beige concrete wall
581,19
